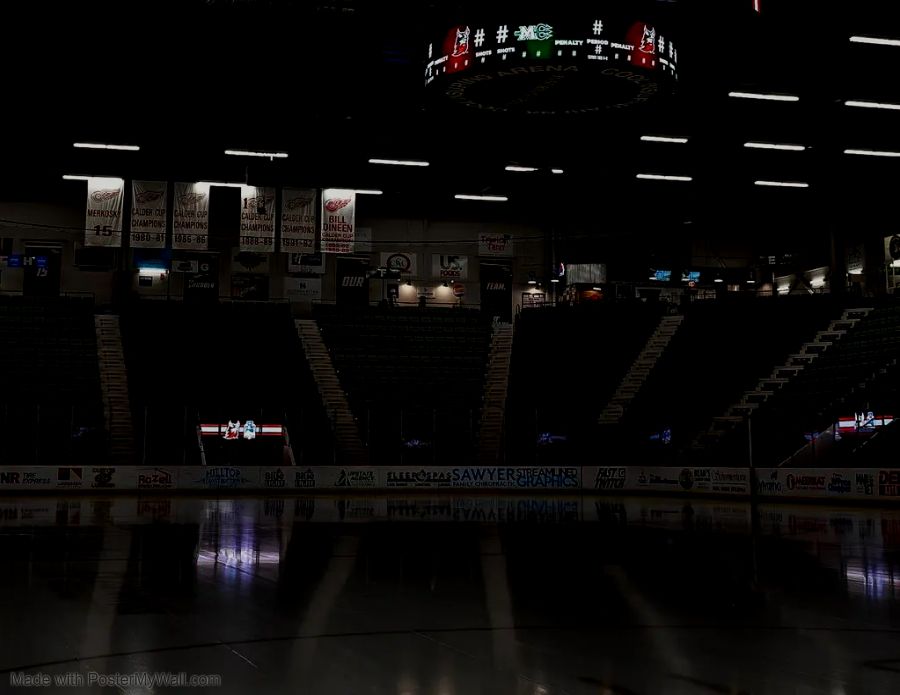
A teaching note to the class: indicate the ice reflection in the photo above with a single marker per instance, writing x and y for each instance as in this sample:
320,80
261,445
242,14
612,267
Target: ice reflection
872,579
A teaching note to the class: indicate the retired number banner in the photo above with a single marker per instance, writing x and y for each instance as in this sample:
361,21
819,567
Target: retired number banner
190,219
338,220
298,220
257,219
103,221
148,214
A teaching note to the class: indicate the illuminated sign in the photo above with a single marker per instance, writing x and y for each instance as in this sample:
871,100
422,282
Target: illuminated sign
578,65
235,430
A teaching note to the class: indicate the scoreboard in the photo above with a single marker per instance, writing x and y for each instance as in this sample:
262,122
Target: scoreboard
543,65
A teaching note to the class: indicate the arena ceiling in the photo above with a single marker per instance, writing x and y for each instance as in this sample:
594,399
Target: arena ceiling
187,79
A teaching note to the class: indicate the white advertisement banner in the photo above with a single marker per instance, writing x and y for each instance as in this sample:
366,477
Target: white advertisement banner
298,220
190,220
846,483
482,477
338,220
26,478
312,263
303,289
495,245
148,214
404,263
103,219
449,267
218,477
257,219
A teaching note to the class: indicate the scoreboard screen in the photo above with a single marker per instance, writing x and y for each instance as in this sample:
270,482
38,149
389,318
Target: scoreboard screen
544,65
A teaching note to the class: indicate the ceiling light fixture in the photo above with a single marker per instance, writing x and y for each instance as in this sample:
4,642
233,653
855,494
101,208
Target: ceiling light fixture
250,153
782,184
221,184
516,167
489,198
873,153
872,105
664,177
663,138
875,41
102,146
763,97
76,177
368,191
774,146
557,171
401,162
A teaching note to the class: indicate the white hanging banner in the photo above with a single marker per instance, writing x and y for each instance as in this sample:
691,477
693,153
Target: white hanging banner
190,220
298,220
103,221
338,220
257,219
148,214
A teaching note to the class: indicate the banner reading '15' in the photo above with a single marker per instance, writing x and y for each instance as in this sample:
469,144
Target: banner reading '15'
103,219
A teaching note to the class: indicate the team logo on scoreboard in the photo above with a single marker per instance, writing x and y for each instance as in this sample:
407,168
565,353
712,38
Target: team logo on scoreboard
461,42
534,32
648,40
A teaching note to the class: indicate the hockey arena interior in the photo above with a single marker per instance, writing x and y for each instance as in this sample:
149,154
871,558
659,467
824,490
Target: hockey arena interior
450,347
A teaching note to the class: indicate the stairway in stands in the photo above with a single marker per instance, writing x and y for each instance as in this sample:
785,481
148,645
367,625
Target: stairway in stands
496,386
780,377
114,387
636,376
346,431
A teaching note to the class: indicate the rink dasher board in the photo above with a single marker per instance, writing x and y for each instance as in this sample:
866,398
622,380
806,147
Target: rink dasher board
799,483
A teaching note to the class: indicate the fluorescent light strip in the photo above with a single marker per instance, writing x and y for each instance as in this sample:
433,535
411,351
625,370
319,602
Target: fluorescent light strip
774,146
514,167
490,198
557,171
663,138
764,97
367,191
873,153
76,177
223,184
875,41
664,177
872,105
400,162
782,184
248,153
101,146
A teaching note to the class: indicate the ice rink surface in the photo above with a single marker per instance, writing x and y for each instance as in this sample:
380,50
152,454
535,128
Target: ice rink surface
449,595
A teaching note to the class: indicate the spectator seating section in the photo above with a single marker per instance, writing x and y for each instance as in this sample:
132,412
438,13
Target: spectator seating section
51,407
720,351
827,388
567,362
414,378
235,360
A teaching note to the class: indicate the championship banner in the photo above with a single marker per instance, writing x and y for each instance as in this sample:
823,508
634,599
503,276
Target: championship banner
338,220
257,219
495,245
103,221
449,267
298,220
148,214
190,221
404,263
